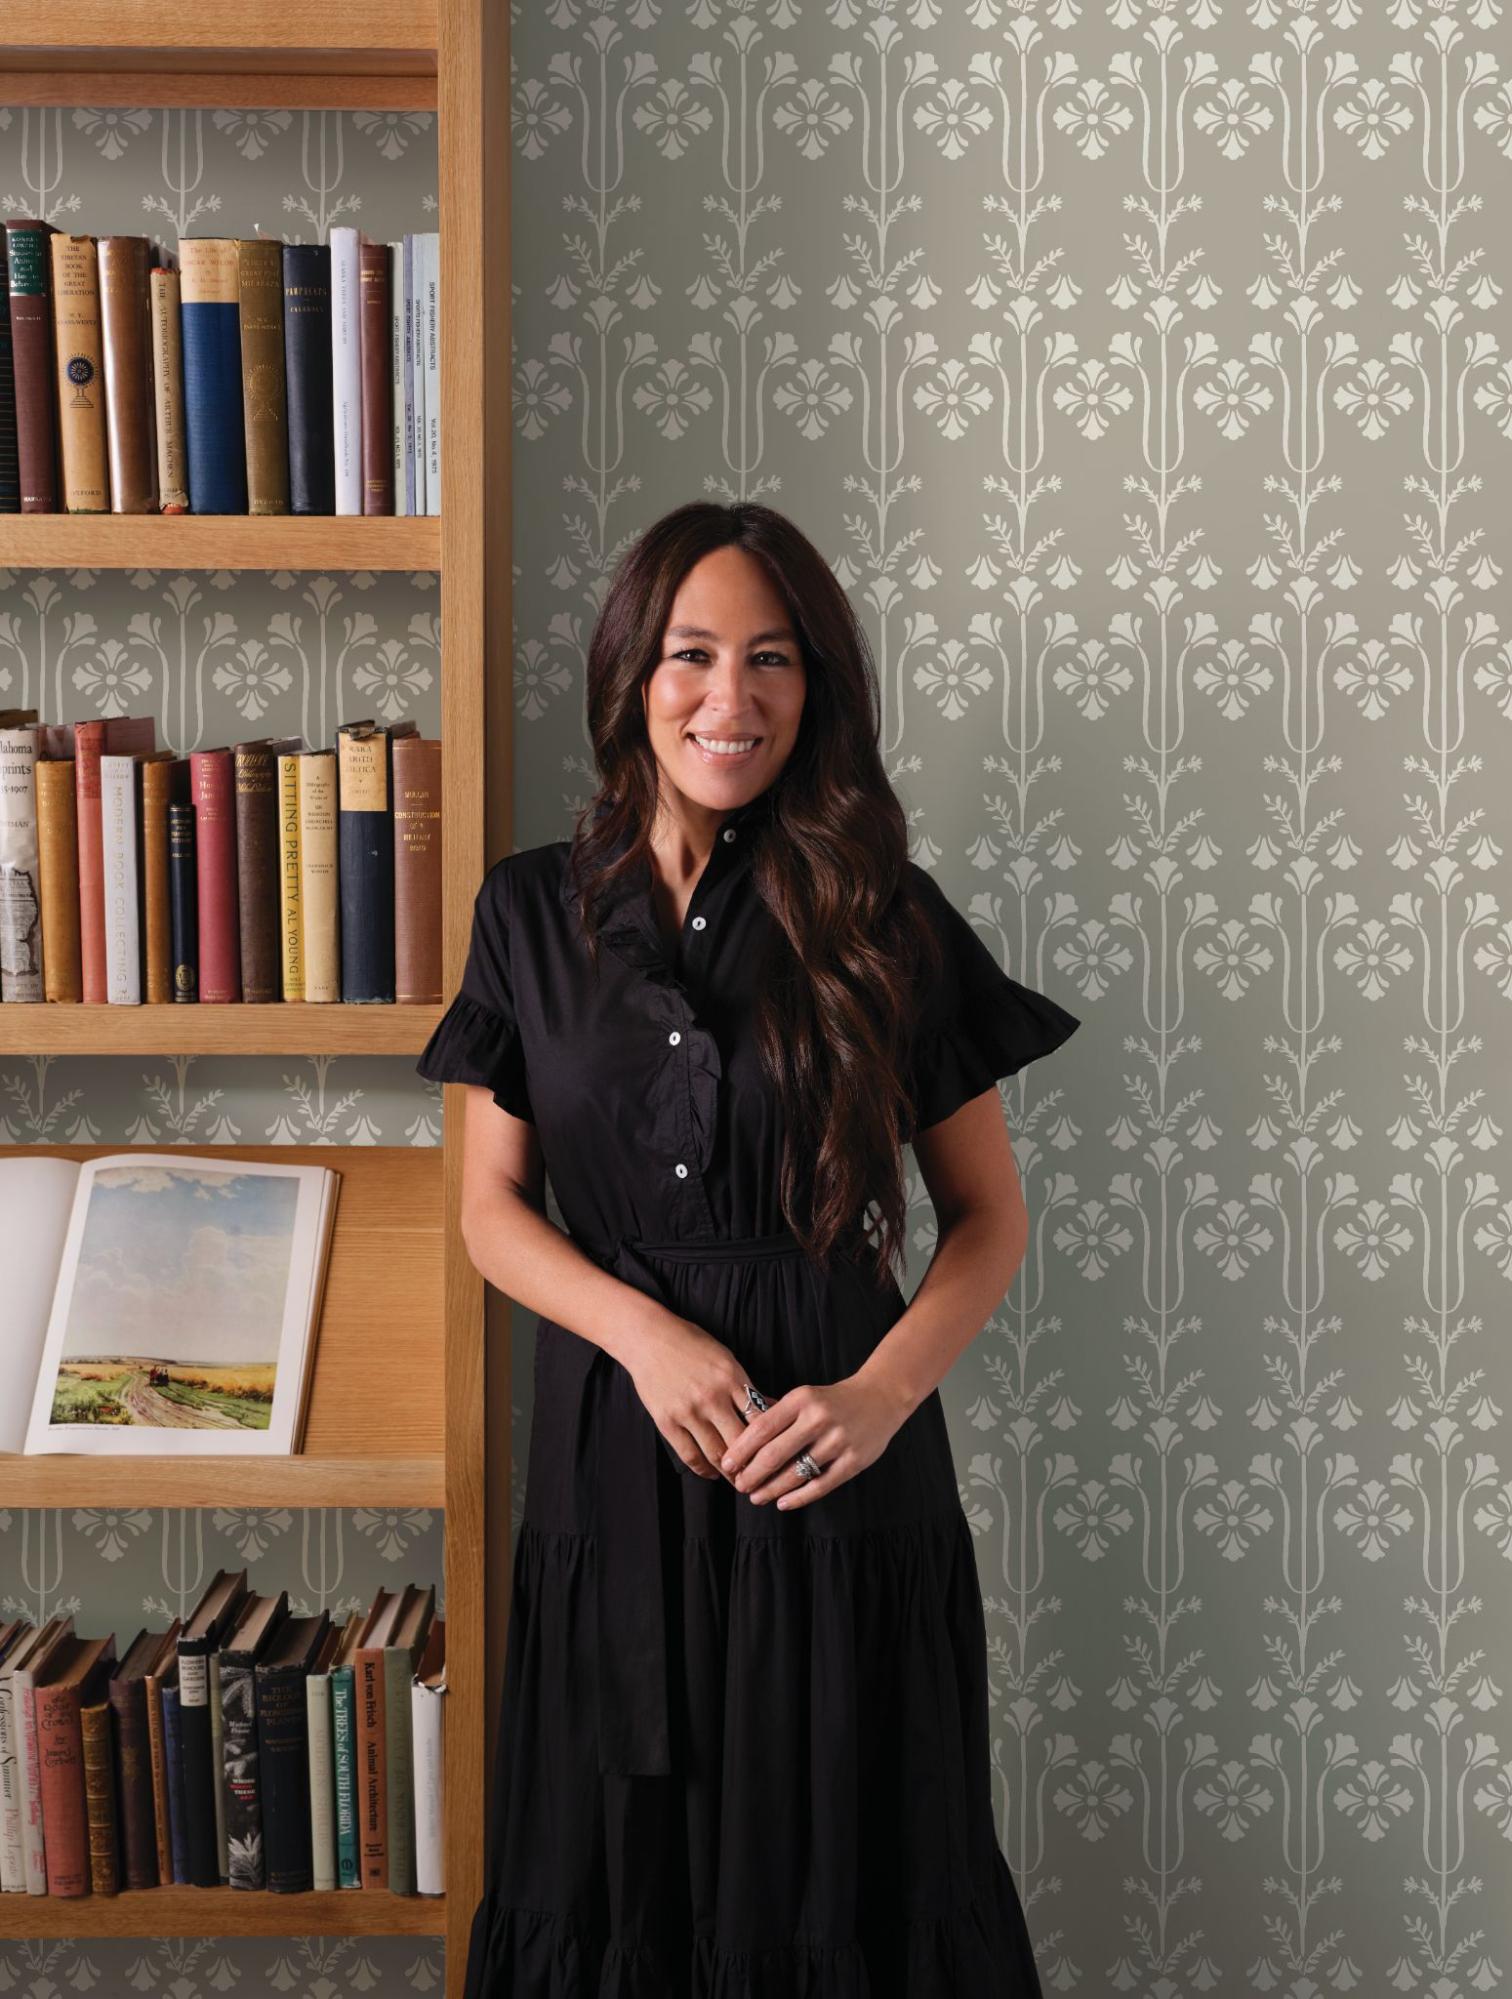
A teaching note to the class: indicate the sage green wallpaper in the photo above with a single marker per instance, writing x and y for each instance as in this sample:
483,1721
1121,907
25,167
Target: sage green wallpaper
1143,368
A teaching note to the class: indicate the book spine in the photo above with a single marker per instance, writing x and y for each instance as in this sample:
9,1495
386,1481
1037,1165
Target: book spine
29,277
168,392
126,325
396,371
161,1811
257,863
89,742
346,369
123,936
157,935
322,1780
414,498
60,1753
209,322
28,1749
308,365
178,1804
427,1724
318,894
239,1760
215,842
128,1700
183,900
417,871
21,973
199,1773
10,460
81,380
260,294
283,1747
417,282
12,1866
399,1770
365,868
377,379
58,857
218,1767
344,1763
290,906
432,372
96,1738
372,1786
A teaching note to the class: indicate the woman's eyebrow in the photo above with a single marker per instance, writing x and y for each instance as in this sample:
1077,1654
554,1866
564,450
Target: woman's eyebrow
759,639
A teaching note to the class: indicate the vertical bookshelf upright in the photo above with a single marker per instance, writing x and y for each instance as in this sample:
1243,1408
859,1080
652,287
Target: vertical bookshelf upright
400,1206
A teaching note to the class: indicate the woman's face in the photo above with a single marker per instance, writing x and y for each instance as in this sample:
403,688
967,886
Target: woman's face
730,673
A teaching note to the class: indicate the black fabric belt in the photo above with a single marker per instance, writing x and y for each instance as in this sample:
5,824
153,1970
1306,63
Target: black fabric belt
634,1724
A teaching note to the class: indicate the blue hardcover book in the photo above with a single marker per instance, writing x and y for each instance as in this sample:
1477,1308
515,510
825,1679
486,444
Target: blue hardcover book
173,1753
307,373
365,858
215,438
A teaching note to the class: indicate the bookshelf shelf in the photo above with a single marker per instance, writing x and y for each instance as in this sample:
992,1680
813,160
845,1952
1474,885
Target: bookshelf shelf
223,1912
285,1029
220,541
403,1308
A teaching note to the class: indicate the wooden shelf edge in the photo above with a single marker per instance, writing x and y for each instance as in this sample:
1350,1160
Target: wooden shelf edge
81,1479
181,1911
202,88
278,34
390,542
287,1028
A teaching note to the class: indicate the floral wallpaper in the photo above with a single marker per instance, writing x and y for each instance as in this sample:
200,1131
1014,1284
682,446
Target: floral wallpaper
1144,371
217,657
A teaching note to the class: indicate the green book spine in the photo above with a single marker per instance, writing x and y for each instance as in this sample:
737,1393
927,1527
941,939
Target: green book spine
399,1749
344,1729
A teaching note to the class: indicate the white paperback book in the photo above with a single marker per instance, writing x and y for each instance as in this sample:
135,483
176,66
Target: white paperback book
428,1737
432,272
20,870
413,483
160,1304
119,793
346,367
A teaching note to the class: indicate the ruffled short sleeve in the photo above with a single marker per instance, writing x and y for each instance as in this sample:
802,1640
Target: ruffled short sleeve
979,1024
477,1039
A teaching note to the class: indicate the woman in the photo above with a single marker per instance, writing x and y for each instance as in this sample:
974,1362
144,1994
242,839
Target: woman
744,1750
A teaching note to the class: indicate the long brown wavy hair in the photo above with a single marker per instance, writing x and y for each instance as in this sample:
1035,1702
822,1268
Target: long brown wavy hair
853,952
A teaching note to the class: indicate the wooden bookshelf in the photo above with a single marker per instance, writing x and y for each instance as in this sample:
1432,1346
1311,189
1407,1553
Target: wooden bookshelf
399,1211
292,1029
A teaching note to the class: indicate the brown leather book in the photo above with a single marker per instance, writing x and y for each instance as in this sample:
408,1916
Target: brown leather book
212,779
371,1738
74,1677
258,861
126,323
128,1705
29,277
374,280
165,782
118,735
417,870
100,1798
162,1672
168,392
79,348
58,853
260,280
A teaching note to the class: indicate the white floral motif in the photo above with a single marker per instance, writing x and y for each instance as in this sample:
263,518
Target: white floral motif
952,117
1232,119
674,118
811,117
1094,118
952,398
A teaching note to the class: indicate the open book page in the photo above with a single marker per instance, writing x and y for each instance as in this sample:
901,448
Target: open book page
183,1318
36,1195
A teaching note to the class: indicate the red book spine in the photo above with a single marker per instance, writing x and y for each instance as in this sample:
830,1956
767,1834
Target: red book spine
214,792
89,741
65,1825
377,378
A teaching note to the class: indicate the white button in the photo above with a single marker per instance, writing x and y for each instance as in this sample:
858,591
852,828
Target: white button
680,1170
729,832
674,1037
699,922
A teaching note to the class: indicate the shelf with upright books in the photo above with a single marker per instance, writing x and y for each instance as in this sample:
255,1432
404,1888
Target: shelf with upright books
404,1305
221,541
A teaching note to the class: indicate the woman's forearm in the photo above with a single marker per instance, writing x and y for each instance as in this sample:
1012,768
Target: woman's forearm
525,1255
975,1260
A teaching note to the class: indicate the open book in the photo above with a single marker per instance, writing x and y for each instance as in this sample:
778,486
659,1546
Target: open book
159,1303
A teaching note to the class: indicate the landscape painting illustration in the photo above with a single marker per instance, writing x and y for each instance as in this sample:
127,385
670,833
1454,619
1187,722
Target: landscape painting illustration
178,1300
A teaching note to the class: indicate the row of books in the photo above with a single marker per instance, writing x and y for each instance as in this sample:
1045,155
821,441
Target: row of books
252,872
244,1747
258,377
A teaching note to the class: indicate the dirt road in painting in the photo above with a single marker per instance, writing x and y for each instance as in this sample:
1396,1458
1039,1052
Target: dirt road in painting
144,1405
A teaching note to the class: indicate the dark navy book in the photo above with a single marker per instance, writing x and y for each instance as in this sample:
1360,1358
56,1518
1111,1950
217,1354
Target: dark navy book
183,902
215,439
307,375
365,858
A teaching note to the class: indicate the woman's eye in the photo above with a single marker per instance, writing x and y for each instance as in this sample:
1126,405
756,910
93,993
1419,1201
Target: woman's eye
773,658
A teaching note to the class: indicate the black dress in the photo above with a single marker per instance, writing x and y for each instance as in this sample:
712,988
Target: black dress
743,1754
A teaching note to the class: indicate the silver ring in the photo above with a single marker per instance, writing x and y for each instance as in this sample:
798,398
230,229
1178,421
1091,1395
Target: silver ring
805,1467
754,1400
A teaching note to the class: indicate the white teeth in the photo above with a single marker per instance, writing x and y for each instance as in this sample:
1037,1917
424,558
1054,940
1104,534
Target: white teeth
724,749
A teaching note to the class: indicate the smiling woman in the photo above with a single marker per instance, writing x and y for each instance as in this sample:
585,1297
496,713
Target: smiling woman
744,1746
